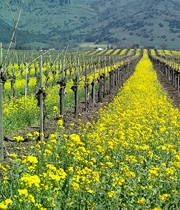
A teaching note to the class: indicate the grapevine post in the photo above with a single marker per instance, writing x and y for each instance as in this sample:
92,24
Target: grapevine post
1,108
41,101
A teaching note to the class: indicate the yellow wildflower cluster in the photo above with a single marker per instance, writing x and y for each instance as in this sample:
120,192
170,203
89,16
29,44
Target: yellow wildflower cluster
4,204
128,159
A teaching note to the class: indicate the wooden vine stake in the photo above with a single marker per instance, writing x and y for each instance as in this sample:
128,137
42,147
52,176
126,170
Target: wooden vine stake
178,82
54,75
60,70
100,89
86,90
75,90
62,83
21,67
1,109
108,76
12,82
76,93
26,81
110,79
93,87
104,92
47,75
41,102
91,64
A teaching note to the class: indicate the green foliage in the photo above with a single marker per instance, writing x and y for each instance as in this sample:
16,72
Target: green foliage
71,22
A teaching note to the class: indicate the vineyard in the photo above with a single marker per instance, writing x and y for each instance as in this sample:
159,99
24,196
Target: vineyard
114,143
63,73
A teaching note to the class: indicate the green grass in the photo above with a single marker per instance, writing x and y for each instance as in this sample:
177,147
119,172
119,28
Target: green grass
46,22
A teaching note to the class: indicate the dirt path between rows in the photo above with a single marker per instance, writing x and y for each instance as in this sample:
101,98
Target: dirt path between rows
167,86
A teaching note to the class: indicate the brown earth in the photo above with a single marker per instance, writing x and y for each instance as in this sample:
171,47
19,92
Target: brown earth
167,86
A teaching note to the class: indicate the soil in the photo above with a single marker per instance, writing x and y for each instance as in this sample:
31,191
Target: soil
167,86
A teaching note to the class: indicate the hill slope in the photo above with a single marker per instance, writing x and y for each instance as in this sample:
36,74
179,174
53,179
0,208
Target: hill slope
118,22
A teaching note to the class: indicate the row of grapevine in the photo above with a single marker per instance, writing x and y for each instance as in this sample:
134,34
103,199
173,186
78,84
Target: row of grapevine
169,57
75,80
29,73
61,76
171,69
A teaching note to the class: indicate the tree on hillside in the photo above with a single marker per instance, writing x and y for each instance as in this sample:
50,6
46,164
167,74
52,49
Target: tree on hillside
163,46
64,2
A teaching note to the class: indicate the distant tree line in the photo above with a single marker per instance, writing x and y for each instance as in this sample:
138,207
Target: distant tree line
61,2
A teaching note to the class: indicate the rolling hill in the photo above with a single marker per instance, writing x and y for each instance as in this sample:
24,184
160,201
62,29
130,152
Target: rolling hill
59,23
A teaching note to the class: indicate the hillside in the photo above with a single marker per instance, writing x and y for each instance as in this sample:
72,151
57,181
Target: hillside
117,22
